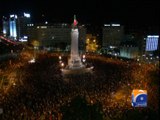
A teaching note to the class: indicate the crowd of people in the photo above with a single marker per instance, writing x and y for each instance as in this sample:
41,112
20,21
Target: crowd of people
40,90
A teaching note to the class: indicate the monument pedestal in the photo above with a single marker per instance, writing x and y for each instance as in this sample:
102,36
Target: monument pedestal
76,71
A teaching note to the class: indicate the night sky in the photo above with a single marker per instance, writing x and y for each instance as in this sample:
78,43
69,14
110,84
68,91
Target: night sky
95,12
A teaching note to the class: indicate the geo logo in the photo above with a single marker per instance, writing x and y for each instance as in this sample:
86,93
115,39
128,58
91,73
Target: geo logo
139,98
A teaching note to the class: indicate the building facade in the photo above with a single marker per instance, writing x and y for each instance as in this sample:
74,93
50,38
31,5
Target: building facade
56,36
129,51
112,35
151,43
129,47
5,25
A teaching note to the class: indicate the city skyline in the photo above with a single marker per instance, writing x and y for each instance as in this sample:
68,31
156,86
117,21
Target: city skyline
141,13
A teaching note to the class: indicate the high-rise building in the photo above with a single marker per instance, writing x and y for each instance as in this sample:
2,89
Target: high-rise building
22,22
5,25
13,27
112,35
151,42
16,26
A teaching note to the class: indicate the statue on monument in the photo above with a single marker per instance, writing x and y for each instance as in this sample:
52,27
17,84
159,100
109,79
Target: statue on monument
75,22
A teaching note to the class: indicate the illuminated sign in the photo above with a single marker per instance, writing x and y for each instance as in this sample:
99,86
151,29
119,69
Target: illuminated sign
152,42
43,26
13,16
115,24
139,98
24,39
27,15
106,24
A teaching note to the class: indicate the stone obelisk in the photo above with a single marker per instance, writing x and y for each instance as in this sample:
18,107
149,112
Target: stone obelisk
75,61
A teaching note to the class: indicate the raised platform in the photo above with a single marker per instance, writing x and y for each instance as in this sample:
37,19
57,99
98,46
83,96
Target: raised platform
76,71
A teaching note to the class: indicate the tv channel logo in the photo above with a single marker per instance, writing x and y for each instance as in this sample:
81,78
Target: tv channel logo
139,98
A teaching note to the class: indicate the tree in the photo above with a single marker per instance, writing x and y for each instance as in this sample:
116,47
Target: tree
35,43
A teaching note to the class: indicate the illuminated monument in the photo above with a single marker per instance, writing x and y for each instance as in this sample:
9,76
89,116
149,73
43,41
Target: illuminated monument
75,64
75,61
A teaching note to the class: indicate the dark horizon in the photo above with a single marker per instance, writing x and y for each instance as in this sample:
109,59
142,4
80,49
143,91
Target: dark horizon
133,13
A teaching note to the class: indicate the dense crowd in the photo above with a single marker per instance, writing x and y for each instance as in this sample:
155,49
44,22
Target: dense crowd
39,90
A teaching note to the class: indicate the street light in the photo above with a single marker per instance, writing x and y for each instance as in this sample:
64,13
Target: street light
83,56
83,59
60,57
62,64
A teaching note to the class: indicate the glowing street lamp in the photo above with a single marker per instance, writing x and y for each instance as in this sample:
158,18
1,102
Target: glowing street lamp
62,64
88,41
60,57
60,61
83,56
83,60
